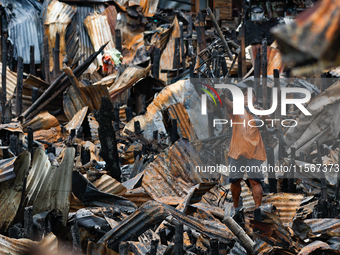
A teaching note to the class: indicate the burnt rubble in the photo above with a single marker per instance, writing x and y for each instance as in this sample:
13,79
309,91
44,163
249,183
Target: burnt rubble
112,163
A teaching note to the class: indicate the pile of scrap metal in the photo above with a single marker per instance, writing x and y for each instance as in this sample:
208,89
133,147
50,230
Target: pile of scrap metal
108,165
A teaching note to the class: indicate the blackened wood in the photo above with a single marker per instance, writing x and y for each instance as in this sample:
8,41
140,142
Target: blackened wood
291,182
239,66
123,248
107,137
32,60
85,156
173,132
271,173
192,75
224,66
201,18
30,139
177,62
257,72
28,222
264,74
76,245
189,27
3,77
153,248
34,94
128,113
46,59
116,112
140,103
118,40
214,247
20,70
13,144
155,135
137,127
162,235
179,239
156,59
56,55
182,47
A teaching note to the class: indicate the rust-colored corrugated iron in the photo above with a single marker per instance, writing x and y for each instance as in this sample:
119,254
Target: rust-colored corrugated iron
110,185
58,16
42,121
274,60
11,82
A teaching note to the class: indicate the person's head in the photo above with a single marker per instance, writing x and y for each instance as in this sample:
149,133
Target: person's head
245,93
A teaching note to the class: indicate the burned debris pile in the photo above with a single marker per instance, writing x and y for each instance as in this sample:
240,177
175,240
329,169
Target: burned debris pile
114,130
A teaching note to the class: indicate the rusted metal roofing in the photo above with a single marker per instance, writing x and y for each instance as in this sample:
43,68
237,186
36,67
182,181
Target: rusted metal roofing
317,245
168,54
311,38
77,119
24,28
11,82
149,7
138,196
43,120
111,13
329,227
58,16
11,191
274,60
98,29
14,246
6,169
49,187
86,96
12,127
110,185
127,79
172,173
180,92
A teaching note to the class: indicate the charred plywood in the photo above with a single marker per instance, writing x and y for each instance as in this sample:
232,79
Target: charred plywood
99,31
168,54
49,187
58,16
12,189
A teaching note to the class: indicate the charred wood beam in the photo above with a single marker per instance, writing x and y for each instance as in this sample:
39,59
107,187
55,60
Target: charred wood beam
271,173
177,60
179,239
60,83
56,52
3,77
123,248
13,144
118,40
291,182
264,74
214,247
30,139
107,137
34,94
32,60
182,47
76,245
257,73
162,235
28,222
156,59
46,59
153,248
128,113
20,71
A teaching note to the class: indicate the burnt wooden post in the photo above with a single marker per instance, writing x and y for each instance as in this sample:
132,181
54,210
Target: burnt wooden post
140,103
156,59
173,131
153,248
278,113
30,139
28,222
116,122
3,77
118,40
34,94
271,173
179,239
224,66
13,144
76,245
192,75
201,18
155,135
56,55
20,78
214,247
264,74
46,60
107,137
257,73
128,113
182,47
162,236
32,61
177,56
137,127
291,183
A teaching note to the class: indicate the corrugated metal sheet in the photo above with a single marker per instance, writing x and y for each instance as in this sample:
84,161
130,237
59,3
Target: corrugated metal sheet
11,82
149,7
24,28
329,227
43,120
138,196
58,16
98,28
110,185
77,120
180,92
111,13
311,38
15,246
127,79
6,169
86,96
172,173
11,191
49,187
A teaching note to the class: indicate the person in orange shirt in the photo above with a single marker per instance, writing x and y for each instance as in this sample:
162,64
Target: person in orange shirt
246,152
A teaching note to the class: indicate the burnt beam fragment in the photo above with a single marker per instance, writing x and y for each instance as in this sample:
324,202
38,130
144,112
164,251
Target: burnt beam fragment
156,59
32,60
107,137
3,77
20,71
56,55
30,139
179,239
154,245
28,222
118,40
